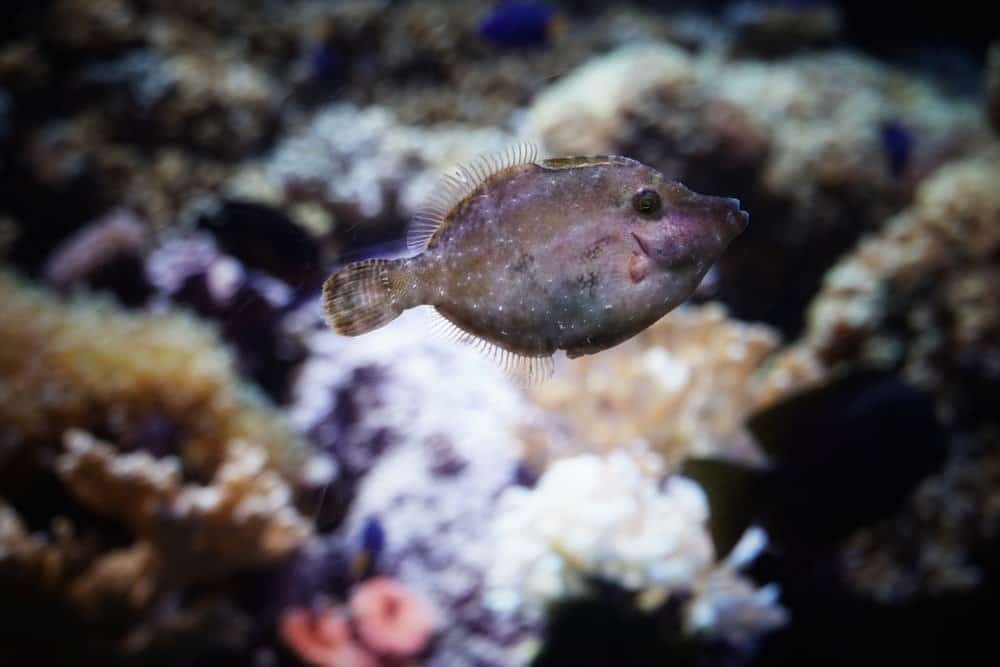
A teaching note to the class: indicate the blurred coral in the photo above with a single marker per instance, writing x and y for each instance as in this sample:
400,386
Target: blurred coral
683,386
428,459
603,517
104,370
119,234
243,518
391,619
368,167
593,518
728,606
323,638
917,294
918,297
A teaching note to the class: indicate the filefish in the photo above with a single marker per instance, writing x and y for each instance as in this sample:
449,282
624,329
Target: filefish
525,257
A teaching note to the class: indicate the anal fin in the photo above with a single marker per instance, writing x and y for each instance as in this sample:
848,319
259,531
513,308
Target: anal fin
522,368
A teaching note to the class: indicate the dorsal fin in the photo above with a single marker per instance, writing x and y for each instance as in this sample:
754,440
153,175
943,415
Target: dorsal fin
523,369
455,186
586,161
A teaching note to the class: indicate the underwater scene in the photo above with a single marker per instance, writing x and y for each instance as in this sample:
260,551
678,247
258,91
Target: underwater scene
402,333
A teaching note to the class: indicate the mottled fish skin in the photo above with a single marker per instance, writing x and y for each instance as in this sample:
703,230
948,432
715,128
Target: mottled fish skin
541,259
575,254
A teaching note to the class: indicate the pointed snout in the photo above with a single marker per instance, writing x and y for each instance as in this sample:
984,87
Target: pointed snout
735,215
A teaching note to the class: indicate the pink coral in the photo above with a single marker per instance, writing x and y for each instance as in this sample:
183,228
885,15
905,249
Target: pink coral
391,619
323,638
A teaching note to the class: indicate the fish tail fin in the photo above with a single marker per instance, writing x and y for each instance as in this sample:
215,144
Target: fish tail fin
365,295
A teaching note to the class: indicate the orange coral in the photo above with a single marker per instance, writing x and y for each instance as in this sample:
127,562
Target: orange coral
323,638
391,619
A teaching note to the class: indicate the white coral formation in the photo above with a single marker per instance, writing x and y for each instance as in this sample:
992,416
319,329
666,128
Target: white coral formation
437,427
599,516
367,165
728,606
572,119
607,517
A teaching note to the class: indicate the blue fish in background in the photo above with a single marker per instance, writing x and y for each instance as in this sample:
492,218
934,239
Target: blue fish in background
325,63
897,142
372,542
521,24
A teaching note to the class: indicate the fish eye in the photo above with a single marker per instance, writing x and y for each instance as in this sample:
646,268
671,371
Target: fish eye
647,202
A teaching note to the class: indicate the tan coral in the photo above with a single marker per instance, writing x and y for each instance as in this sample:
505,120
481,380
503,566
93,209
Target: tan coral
44,562
243,518
684,386
931,545
88,364
920,296
953,225
121,579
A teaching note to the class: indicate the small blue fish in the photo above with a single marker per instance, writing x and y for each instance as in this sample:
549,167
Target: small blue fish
521,24
325,63
897,142
373,536
372,543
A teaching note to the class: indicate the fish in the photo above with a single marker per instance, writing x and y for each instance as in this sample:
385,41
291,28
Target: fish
525,257
521,24
897,142
372,543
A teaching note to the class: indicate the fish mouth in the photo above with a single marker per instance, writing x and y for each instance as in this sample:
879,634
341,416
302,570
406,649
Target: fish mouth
642,246
736,216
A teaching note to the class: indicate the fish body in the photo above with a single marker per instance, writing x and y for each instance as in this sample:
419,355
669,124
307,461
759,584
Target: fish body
575,254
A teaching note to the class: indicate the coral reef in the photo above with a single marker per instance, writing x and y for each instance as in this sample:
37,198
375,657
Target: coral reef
391,619
242,518
368,168
606,518
917,297
917,294
195,470
172,384
117,236
427,458
323,638
683,386
198,485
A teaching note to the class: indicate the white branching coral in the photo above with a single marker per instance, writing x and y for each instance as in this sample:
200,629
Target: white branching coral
607,517
364,162
727,606
602,516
